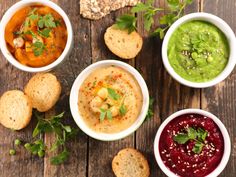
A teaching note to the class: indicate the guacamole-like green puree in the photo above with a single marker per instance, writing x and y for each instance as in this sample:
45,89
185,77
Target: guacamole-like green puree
198,51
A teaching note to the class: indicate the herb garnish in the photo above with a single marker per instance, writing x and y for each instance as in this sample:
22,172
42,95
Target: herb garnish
150,112
198,135
38,48
122,109
105,113
46,21
63,134
176,8
112,94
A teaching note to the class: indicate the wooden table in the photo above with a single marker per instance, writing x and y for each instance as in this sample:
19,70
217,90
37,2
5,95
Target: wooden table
93,158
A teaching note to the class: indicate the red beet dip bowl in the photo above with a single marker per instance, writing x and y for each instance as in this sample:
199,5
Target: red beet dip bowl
192,143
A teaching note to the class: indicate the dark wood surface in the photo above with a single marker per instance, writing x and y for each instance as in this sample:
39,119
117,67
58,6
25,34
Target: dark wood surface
90,157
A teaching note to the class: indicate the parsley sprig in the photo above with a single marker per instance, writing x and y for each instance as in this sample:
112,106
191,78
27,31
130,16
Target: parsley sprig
148,10
197,135
62,132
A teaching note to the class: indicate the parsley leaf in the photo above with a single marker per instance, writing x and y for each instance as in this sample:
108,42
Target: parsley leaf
122,110
45,32
150,112
112,94
38,48
60,158
198,136
126,22
46,21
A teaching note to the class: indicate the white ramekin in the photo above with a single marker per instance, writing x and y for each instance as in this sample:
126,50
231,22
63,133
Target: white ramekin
223,26
7,16
74,101
227,144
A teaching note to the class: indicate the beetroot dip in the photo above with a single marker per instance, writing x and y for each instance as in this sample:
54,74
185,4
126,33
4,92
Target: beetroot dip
180,158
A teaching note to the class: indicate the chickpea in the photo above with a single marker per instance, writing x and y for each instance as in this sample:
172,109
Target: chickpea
18,42
37,38
103,93
96,103
104,106
114,111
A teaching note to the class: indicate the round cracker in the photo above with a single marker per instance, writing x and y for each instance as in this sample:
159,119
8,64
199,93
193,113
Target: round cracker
44,90
15,110
130,163
123,44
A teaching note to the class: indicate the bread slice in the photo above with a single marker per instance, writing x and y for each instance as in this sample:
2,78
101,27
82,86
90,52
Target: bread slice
15,110
96,9
123,44
44,90
130,163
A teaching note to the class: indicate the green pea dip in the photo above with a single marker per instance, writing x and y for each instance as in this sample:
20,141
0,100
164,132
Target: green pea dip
198,51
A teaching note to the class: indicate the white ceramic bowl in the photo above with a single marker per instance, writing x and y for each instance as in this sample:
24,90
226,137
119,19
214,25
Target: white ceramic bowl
7,16
74,101
223,26
227,144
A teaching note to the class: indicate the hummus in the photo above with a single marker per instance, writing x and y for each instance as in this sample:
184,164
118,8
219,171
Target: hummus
110,100
198,51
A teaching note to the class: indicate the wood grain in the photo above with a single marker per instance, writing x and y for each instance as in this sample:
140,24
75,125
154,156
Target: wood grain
221,99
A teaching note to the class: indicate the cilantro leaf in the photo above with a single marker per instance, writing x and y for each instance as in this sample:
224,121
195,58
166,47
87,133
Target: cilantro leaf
38,48
112,94
46,21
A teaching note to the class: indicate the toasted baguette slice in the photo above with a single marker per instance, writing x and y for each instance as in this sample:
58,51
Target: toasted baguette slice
15,110
44,90
123,44
130,163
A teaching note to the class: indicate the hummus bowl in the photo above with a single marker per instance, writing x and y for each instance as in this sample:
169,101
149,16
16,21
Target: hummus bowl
198,50
109,100
34,50
206,150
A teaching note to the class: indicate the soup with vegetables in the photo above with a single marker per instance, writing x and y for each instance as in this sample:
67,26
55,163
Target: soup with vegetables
110,100
36,35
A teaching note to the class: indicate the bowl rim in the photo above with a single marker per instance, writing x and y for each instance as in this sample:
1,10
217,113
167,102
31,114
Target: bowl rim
74,101
220,24
7,16
227,143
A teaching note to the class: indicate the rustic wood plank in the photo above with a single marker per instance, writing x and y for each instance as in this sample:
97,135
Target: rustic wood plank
170,96
101,153
80,58
221,99
23,164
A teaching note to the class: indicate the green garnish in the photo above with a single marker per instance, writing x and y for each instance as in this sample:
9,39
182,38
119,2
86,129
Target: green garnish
150,112
12,152
148,11
63,134
17,142
45,32
38,48
112,94
122,110
105,113
199,136
46,21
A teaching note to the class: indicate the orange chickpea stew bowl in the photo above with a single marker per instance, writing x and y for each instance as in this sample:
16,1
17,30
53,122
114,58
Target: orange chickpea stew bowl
38,35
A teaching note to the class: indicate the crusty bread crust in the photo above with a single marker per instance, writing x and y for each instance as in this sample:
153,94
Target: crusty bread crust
15,110
130,163
44,90
123,44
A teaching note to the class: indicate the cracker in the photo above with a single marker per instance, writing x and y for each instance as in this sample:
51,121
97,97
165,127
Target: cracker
96,9
44,90
130,163
123,44
15,110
